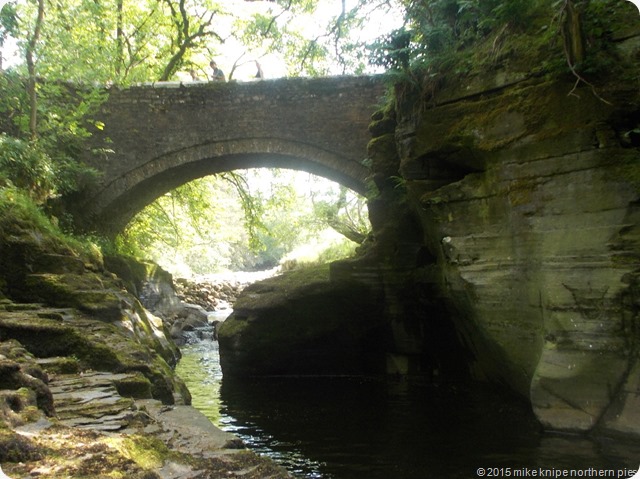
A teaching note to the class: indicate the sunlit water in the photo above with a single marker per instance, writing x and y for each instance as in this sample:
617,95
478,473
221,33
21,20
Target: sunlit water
357,428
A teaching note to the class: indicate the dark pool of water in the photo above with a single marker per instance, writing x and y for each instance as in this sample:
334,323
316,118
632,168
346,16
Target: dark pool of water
359,428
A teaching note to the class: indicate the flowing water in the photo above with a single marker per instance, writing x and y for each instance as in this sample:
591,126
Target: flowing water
365,428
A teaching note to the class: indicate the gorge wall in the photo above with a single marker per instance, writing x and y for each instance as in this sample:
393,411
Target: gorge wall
515,204
505,241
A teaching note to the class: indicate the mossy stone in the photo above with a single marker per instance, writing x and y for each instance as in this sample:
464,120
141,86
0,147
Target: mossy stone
17,448
86,292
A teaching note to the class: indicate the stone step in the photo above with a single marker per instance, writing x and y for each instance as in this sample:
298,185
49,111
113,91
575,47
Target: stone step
92,401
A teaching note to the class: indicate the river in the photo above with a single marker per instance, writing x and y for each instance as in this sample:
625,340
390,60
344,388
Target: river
374,428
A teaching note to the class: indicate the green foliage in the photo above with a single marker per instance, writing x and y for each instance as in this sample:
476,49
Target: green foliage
487,15
18,207
245,220
598,19
26,166
114,41
308,257
48,164
8,21
13,103
346,214
118,41
252,208
21,215
194,225
436,30
393,51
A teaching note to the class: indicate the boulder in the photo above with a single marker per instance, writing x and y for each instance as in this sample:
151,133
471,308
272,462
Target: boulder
303,323
189,318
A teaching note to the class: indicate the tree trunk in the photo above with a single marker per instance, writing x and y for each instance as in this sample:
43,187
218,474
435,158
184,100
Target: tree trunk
119,38
174,62
31,67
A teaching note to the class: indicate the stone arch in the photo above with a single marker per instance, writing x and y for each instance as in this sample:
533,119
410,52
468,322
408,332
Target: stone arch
122,198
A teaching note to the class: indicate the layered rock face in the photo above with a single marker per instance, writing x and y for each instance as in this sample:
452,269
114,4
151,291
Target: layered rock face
528,200
59,301
86,379
506,240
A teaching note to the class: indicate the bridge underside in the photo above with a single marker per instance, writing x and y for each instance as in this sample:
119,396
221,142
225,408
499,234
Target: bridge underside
113,208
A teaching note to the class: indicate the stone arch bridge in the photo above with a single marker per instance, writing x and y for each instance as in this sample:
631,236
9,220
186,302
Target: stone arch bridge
159,136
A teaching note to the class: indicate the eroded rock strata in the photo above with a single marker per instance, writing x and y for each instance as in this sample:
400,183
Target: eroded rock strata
506,241
87,387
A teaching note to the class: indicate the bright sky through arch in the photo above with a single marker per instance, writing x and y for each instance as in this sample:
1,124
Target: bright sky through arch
636,3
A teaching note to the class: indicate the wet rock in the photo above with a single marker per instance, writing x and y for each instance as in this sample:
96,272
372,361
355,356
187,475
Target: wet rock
92,401
190,317
148,282
211,294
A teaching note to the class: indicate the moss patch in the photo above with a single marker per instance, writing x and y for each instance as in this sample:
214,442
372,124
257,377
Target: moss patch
137,386
147,452
17,448
86,292
60,453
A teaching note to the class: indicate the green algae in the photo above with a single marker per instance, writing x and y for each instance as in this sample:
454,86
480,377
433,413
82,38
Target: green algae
148,452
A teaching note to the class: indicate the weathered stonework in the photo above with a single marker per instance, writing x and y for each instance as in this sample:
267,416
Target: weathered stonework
159,136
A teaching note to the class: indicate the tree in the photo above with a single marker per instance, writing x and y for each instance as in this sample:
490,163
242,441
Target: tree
31,68
149,40
346,214
189,32
8,26
119,58
241,220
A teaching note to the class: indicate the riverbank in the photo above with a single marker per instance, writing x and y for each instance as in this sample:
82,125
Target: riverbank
60,419
218,292
99,433
87,381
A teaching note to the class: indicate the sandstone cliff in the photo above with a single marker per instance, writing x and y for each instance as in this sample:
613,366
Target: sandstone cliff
526,193
505,220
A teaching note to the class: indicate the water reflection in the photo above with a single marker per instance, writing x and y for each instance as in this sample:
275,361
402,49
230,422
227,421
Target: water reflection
200,368
358,428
